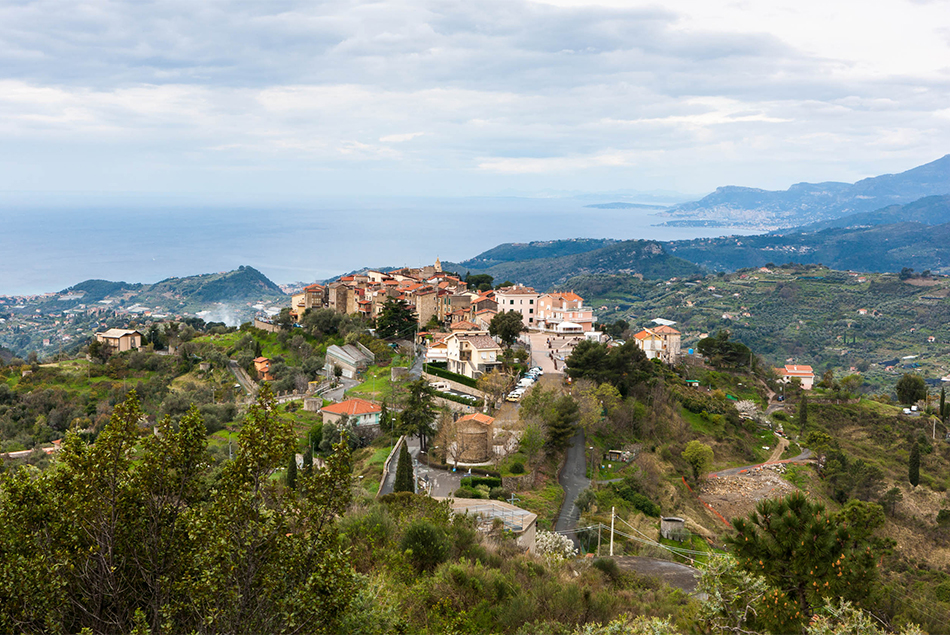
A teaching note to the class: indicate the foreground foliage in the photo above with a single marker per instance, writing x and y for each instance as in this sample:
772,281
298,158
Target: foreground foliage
130,531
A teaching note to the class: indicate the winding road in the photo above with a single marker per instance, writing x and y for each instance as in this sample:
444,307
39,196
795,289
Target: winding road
574,480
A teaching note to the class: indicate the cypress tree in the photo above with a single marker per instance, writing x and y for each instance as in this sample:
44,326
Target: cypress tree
802,416
308,462
913,465
943,402
404,472
292,472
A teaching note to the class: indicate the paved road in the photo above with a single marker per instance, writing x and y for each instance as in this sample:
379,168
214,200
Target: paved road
250,388
804,457
573,479
337,394
387,486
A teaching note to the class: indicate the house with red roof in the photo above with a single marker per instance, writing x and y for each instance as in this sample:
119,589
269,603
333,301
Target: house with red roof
359,412
472,353
792,371
564,312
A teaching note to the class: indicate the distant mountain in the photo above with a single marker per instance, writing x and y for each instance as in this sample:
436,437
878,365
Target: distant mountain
880,248
517,252
931,210
810,202
530,264
172,295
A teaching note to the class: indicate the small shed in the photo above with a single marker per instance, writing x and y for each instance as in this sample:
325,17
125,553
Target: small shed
673,528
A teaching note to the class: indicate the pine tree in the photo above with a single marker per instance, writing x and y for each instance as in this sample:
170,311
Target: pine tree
292,472
913,465
404,472
802,416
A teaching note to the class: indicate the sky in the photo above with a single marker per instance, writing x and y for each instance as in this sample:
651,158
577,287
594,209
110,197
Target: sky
226,100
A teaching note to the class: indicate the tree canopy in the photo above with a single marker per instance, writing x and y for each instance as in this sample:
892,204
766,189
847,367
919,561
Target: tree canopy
808,555
396,319
623,366
507,325
911,389
136,531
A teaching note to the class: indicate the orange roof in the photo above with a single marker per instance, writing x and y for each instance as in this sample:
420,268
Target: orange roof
644,334
569,296
463,325
313,287
667,330
260,360
352,407
798,370
478,418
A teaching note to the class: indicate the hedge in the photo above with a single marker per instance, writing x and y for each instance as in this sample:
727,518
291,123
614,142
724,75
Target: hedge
467,401
475,481
444,374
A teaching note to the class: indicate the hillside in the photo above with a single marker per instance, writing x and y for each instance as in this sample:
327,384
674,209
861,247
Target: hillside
808,202
879,248
813,315
64,321
531,264
930,210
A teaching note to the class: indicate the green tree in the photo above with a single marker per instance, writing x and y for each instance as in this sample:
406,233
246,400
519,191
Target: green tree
396,319
943,402
911,389
308,462
292,471
480,281
403,481
913,465
807,555
418,411
507,325
531,442
699,456
561,422
802,416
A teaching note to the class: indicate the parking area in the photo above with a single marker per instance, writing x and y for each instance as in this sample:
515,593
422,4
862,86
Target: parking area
549,351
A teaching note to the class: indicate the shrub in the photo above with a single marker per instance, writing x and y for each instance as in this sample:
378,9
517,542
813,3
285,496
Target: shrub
425,544
476,481
517,467
554,547
498,493
608,567
467,492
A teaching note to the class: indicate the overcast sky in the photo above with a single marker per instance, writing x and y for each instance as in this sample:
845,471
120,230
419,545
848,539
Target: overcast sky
233,98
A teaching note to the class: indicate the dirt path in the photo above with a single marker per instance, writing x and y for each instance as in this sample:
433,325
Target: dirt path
779,451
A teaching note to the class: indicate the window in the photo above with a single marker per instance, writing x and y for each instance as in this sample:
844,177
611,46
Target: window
530,301
512,302
530,310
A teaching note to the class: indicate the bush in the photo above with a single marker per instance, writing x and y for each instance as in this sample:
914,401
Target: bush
517,467
476,481
425,544
498,493
608,567
467,492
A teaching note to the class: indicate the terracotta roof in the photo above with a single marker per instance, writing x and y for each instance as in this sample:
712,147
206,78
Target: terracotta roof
463,325
665,330
797,370
478,418
570,296
260,360
478,340
486,311
313,287
352,407
644,334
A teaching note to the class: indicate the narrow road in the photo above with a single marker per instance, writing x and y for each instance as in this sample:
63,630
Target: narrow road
804,457
386,487
248,384
573,479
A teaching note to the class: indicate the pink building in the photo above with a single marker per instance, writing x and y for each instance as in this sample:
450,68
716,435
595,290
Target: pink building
564,313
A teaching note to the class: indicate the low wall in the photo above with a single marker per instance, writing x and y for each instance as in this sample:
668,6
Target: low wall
454,405
454,385
517,483
266,326
387,466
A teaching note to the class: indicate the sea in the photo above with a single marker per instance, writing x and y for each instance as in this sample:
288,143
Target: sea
49,247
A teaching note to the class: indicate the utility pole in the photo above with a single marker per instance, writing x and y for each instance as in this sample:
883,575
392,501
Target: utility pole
612,531
599,525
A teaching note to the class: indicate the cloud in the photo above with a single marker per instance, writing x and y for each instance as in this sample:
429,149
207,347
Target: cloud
692,94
